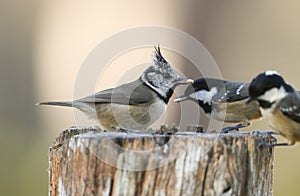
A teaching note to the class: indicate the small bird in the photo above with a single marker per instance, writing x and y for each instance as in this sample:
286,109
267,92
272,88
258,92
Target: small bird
279,104
223,100
135,105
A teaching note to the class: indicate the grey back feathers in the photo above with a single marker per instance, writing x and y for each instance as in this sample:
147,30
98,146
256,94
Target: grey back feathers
133,93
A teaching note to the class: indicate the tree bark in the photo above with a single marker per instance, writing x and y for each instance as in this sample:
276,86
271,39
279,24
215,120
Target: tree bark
187,163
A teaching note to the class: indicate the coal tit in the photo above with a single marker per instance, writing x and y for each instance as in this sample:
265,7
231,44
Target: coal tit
134,105
279,104
223,100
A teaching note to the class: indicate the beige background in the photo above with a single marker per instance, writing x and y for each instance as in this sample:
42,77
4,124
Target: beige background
43,44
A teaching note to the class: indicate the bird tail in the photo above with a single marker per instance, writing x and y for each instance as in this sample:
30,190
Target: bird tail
57,103
84,107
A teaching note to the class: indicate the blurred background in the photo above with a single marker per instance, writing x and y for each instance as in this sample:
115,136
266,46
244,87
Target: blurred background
43,44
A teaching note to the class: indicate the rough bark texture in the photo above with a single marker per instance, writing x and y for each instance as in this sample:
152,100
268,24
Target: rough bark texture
100,163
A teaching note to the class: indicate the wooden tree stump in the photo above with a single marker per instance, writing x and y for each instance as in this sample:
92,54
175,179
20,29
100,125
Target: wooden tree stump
101,163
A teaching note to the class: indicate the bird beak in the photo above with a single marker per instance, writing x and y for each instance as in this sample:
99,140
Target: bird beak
249,100
184,81
180,99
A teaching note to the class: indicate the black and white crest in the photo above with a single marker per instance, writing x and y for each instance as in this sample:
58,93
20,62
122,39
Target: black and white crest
160,76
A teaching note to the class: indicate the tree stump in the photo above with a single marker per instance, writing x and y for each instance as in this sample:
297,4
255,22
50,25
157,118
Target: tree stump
186,163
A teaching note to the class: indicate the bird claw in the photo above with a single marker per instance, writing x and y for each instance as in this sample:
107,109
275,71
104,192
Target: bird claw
268,133
235,127
231,128
265,144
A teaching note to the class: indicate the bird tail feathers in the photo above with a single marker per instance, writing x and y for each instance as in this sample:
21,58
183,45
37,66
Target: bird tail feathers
57,103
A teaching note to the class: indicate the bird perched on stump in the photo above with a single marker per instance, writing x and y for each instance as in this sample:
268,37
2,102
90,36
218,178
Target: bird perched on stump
279,104
133,105
223,100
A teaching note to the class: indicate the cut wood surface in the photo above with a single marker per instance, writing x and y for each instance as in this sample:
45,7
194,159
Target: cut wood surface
91,162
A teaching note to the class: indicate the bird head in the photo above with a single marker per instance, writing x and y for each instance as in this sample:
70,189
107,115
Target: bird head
202,92
268,88
162,77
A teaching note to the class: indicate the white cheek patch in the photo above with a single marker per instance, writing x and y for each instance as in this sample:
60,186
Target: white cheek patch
273,94
204,95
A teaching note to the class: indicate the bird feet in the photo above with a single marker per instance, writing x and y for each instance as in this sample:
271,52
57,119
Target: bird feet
262,142
235,127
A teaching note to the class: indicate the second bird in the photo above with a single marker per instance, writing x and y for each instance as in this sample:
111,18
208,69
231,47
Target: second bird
223,100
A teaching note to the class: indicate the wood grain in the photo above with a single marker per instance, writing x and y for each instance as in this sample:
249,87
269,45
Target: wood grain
100,163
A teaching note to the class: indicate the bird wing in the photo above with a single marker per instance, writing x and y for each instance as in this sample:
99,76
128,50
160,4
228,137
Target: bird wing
133,93
290,106
237,91
233,91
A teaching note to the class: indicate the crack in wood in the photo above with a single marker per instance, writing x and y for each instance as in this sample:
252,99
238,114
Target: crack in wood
205,173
